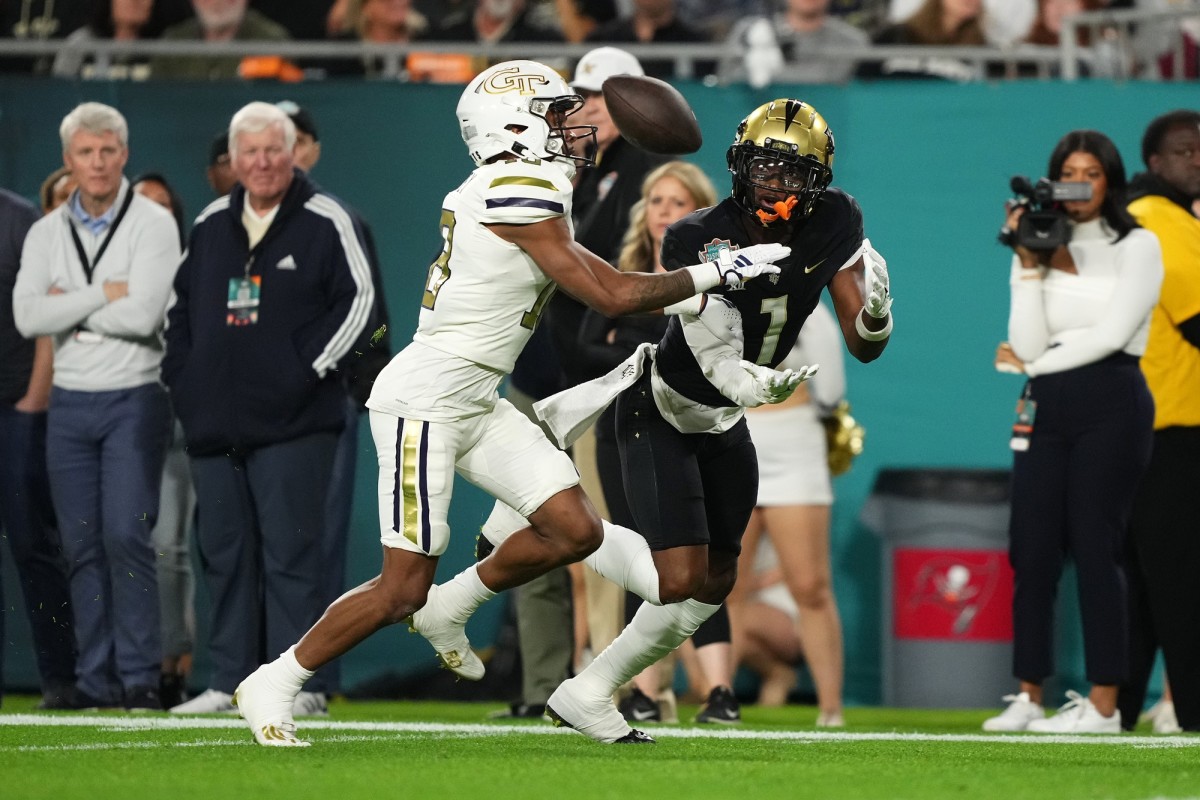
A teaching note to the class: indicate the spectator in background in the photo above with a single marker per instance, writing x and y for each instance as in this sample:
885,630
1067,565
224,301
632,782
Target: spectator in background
96,275
935,22
780,48
359,370
120,20
38,21
26,510
493,21
304,19
795,500
489,22
176,516
154,186
1004,22
1165,551
56,189
272,294
578,18
1078,322
378,22
766,621
220,171
652,21
215,21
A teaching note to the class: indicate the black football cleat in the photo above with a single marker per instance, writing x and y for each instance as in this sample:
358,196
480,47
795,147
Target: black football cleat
635,737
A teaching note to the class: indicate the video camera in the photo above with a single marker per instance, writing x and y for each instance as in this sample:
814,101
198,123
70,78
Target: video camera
1043,226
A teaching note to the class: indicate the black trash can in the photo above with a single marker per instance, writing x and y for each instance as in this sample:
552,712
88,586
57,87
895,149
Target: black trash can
947,585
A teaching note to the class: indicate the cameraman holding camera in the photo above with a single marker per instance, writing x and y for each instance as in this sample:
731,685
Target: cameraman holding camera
1083,286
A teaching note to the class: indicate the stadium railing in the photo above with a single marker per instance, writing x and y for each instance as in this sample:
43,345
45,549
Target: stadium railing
1122,44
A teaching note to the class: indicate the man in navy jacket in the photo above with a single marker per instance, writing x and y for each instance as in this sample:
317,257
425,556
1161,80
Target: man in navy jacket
272,295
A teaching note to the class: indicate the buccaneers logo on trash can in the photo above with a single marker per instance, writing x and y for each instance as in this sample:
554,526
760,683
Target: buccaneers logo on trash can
952,594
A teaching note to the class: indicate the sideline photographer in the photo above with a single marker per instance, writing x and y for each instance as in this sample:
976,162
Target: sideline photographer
1078,321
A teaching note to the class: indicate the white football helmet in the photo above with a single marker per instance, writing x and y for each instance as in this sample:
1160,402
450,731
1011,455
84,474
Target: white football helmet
529,96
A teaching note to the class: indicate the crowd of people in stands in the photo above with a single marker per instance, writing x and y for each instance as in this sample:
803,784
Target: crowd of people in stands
796,41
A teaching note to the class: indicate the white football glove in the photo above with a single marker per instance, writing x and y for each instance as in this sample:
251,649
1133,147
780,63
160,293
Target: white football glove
739,266
723,321
878,291
775,386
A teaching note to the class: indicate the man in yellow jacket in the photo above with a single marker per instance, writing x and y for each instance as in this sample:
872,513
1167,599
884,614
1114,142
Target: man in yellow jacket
1164,551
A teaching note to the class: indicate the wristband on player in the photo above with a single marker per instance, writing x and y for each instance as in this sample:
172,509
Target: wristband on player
693,305
705,276
870,335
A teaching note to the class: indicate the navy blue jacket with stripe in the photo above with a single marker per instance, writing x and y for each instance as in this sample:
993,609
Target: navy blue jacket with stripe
239,387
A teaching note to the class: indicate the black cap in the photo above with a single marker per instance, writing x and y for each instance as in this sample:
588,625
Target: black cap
219,147
300,117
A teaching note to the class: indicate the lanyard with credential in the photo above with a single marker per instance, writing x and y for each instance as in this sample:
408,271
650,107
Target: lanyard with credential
90,266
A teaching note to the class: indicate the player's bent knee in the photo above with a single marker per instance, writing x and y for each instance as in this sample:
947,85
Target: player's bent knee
583,539
679,586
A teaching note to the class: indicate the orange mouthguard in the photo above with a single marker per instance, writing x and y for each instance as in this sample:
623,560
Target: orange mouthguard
782,209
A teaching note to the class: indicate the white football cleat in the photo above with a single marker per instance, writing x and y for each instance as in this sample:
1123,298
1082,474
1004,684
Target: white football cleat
595,717
268,711
437,622
1020,712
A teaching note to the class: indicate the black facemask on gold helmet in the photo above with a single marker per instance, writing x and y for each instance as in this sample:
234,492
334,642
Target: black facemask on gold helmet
781,160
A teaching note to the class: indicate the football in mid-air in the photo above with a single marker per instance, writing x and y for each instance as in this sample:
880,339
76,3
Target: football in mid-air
652,114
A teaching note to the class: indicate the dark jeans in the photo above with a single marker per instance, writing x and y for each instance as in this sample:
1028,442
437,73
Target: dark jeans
261,535
105,452
27,519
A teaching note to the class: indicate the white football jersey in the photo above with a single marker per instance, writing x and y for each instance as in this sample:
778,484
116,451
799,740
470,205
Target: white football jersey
483,295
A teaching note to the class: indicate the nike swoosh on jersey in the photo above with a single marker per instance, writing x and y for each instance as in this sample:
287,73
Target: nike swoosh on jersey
814,266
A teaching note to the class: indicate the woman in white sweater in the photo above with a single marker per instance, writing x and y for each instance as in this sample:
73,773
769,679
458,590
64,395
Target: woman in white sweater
1078,322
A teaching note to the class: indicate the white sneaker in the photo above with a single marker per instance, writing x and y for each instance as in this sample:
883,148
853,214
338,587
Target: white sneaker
448,635
267,710
1077,716
208,702
596,717
310,704
1163,719
1020,713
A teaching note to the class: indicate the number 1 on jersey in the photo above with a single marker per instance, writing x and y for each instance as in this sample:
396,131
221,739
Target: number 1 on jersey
776,309
439,270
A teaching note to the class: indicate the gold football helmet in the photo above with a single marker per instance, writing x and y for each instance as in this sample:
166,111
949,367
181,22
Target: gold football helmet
783,146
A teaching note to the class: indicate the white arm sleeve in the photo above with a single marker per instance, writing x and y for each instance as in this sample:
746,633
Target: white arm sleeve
1028,334
1139,278
37,313
154,258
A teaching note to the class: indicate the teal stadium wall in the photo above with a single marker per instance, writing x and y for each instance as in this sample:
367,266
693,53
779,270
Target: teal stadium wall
929,163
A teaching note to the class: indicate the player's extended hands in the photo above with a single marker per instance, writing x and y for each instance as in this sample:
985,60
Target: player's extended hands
739,266
879,296
774,386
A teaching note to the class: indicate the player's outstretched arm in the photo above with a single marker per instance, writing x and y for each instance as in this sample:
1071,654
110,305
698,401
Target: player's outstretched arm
596,283
863,302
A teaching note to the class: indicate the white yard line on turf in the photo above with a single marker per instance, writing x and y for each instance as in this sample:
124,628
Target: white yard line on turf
157,723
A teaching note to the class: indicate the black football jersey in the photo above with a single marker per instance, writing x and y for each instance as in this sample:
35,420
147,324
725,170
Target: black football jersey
773,307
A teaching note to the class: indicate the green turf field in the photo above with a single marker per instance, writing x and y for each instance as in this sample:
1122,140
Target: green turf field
447,750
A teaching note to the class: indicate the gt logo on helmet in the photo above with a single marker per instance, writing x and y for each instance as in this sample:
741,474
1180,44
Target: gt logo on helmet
512,79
